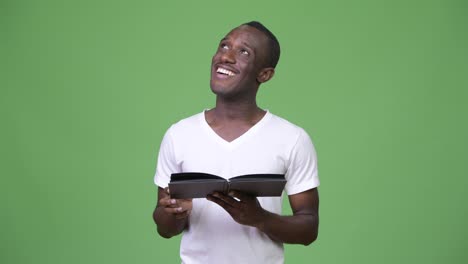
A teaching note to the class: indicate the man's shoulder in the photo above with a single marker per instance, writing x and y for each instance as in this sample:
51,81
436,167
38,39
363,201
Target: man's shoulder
283,125
190,121
187,124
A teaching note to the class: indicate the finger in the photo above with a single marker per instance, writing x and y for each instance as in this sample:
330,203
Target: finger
220,202
168,202
182,215
228,199
241,195
176,210
185,204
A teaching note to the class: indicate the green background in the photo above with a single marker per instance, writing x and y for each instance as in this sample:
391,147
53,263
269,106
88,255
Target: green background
88,89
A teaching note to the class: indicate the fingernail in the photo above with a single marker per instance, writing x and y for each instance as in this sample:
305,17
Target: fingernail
179,209
173,201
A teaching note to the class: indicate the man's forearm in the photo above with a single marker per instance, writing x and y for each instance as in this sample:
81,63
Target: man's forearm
295,229
168,225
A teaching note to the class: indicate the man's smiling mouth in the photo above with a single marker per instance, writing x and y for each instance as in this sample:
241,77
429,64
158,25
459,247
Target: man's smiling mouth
225,71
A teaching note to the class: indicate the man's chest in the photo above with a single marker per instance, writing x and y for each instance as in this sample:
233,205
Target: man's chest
229,160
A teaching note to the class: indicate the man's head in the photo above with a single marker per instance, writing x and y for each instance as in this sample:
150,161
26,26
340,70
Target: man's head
273,44
246,57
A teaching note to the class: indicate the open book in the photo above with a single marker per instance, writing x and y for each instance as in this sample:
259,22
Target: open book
199,185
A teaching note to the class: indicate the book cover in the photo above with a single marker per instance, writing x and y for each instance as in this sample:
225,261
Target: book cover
199,185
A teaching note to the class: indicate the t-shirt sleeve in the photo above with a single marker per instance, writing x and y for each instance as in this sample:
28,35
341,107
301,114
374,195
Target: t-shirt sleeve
302,173
167,163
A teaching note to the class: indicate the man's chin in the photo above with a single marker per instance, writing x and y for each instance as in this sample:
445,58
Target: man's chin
221,91
217,87
218,90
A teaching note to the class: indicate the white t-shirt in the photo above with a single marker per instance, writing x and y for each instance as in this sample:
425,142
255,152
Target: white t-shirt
273,145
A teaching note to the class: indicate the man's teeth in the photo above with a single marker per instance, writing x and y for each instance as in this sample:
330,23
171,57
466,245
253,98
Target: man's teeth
224,71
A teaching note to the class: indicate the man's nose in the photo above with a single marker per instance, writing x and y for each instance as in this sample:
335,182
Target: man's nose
228,56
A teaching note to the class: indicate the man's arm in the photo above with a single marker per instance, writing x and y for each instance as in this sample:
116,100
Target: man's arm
171,215
300,228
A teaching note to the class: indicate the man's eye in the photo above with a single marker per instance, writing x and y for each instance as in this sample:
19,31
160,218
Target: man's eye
224,46
244,52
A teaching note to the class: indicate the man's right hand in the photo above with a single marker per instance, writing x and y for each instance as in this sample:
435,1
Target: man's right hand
180,208
171,215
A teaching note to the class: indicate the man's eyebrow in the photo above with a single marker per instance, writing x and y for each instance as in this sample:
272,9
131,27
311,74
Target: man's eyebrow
243,43
247,45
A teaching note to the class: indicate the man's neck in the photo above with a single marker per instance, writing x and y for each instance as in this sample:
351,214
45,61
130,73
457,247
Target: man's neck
235,111
230,120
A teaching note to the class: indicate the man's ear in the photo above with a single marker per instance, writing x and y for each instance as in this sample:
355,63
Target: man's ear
265,75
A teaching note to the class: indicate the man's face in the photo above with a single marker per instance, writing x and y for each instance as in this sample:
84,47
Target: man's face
238,61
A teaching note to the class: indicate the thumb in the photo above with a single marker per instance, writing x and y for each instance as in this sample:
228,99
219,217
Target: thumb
240,195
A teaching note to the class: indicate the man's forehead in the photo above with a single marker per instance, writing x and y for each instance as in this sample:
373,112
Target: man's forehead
252,38
251,32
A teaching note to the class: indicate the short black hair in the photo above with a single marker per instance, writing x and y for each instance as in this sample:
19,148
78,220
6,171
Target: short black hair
274,46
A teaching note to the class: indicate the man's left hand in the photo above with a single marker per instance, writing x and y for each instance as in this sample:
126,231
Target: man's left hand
245,210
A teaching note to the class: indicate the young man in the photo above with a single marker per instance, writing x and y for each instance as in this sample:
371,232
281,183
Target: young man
236,138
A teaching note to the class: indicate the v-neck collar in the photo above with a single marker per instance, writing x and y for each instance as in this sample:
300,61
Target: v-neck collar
247,134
